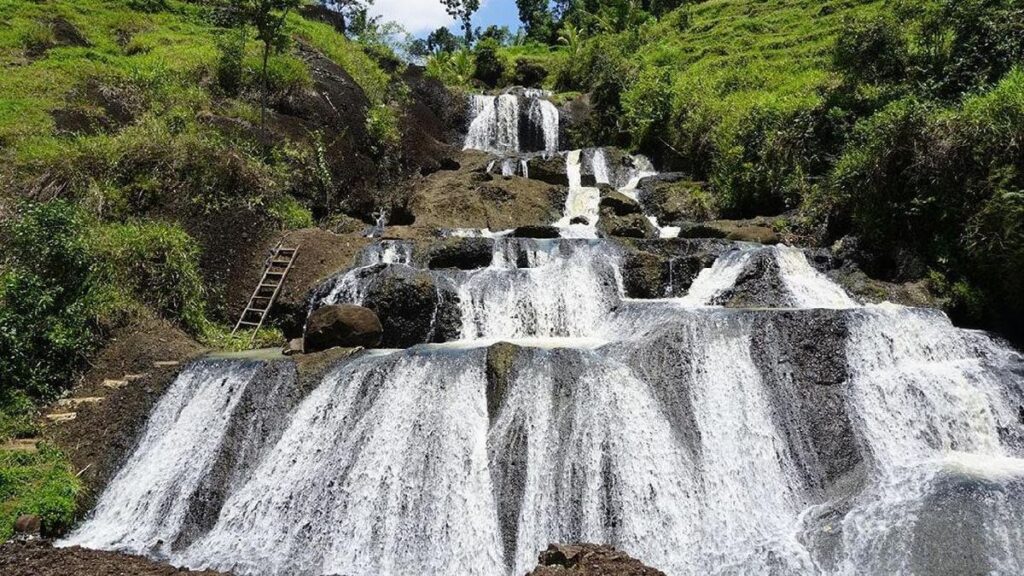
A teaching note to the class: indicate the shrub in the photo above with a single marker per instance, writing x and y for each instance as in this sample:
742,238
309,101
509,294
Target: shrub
529,73
157,264
871,51
41,483
489,65
647,107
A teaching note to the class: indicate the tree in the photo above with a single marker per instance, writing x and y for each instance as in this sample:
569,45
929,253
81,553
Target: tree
268,18
463,10
500,34
442,41
537,18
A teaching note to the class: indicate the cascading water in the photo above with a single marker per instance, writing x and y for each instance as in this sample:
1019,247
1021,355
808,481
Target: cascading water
676,431
512,123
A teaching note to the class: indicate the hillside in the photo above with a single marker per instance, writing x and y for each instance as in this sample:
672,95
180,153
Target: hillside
140,187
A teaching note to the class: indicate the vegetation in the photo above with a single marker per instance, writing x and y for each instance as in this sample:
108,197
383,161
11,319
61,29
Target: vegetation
40,483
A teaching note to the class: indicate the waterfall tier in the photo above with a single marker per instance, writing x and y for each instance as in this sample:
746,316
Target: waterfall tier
812,437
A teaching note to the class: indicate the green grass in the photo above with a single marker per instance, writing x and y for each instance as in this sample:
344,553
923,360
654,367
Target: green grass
41,483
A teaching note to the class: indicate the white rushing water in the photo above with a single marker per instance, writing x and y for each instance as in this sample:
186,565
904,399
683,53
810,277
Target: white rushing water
663,441
499,123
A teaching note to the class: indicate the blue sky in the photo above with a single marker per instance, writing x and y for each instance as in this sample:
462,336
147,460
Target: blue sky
420,17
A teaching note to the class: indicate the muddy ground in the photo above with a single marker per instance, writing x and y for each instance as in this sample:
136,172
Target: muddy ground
38,558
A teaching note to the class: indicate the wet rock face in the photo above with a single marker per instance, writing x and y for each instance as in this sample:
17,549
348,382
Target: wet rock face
461,253
618,203
413,308
589,560
536,232
342,325
760,285
801,355
550,170
667,268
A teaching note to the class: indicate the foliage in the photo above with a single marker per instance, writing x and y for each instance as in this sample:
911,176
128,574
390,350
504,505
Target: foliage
463,10
41,483
454,69
157,264
50,300
489,65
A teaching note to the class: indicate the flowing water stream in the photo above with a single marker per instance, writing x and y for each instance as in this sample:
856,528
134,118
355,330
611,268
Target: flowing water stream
813,437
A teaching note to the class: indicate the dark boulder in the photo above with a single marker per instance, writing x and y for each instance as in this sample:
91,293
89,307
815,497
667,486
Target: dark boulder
294,346
413,307
589,560
644,275
580,220
501,359
612,225
674,199
536,232
618,203
550,170
759,285
650,275
343,325
461,253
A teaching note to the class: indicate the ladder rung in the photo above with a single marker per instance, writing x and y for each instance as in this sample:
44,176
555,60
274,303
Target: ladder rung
285,261
244,323
269,285
260,310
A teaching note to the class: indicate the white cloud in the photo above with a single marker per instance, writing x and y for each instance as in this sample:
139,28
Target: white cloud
416,16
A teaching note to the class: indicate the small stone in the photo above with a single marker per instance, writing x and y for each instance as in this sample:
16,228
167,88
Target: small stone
28,524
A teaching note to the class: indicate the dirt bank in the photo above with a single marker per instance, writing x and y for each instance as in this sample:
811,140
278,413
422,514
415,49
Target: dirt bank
41,559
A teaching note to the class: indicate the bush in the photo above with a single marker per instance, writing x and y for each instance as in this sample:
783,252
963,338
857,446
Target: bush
871,51
489,65
157,264
647,107
50,300
529,73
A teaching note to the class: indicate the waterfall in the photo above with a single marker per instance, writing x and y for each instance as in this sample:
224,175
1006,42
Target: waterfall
809,287
498,126
817,437
579,219
495,124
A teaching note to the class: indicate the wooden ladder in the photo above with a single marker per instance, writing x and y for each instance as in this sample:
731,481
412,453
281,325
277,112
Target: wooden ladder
266,292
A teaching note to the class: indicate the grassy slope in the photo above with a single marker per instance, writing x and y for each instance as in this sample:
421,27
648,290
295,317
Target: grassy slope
162,64
168,56
739,54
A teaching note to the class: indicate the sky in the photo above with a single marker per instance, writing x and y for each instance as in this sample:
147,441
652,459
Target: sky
420,17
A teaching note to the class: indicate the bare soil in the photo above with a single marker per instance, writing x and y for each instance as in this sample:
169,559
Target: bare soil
39,558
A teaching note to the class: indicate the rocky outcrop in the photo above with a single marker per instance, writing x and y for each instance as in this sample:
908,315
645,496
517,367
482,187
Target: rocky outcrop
667,268
611,225
413,307
38,558
757,231
461,253
618,203
344,326
501,358
759,285
472,198
550,170
589,560
674,199
536,232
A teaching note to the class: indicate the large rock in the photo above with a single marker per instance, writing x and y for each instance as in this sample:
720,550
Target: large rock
536,232
342,325
589,560
461,253
618,203
611,225
649,275
413,307
550,170
28,525
675,200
